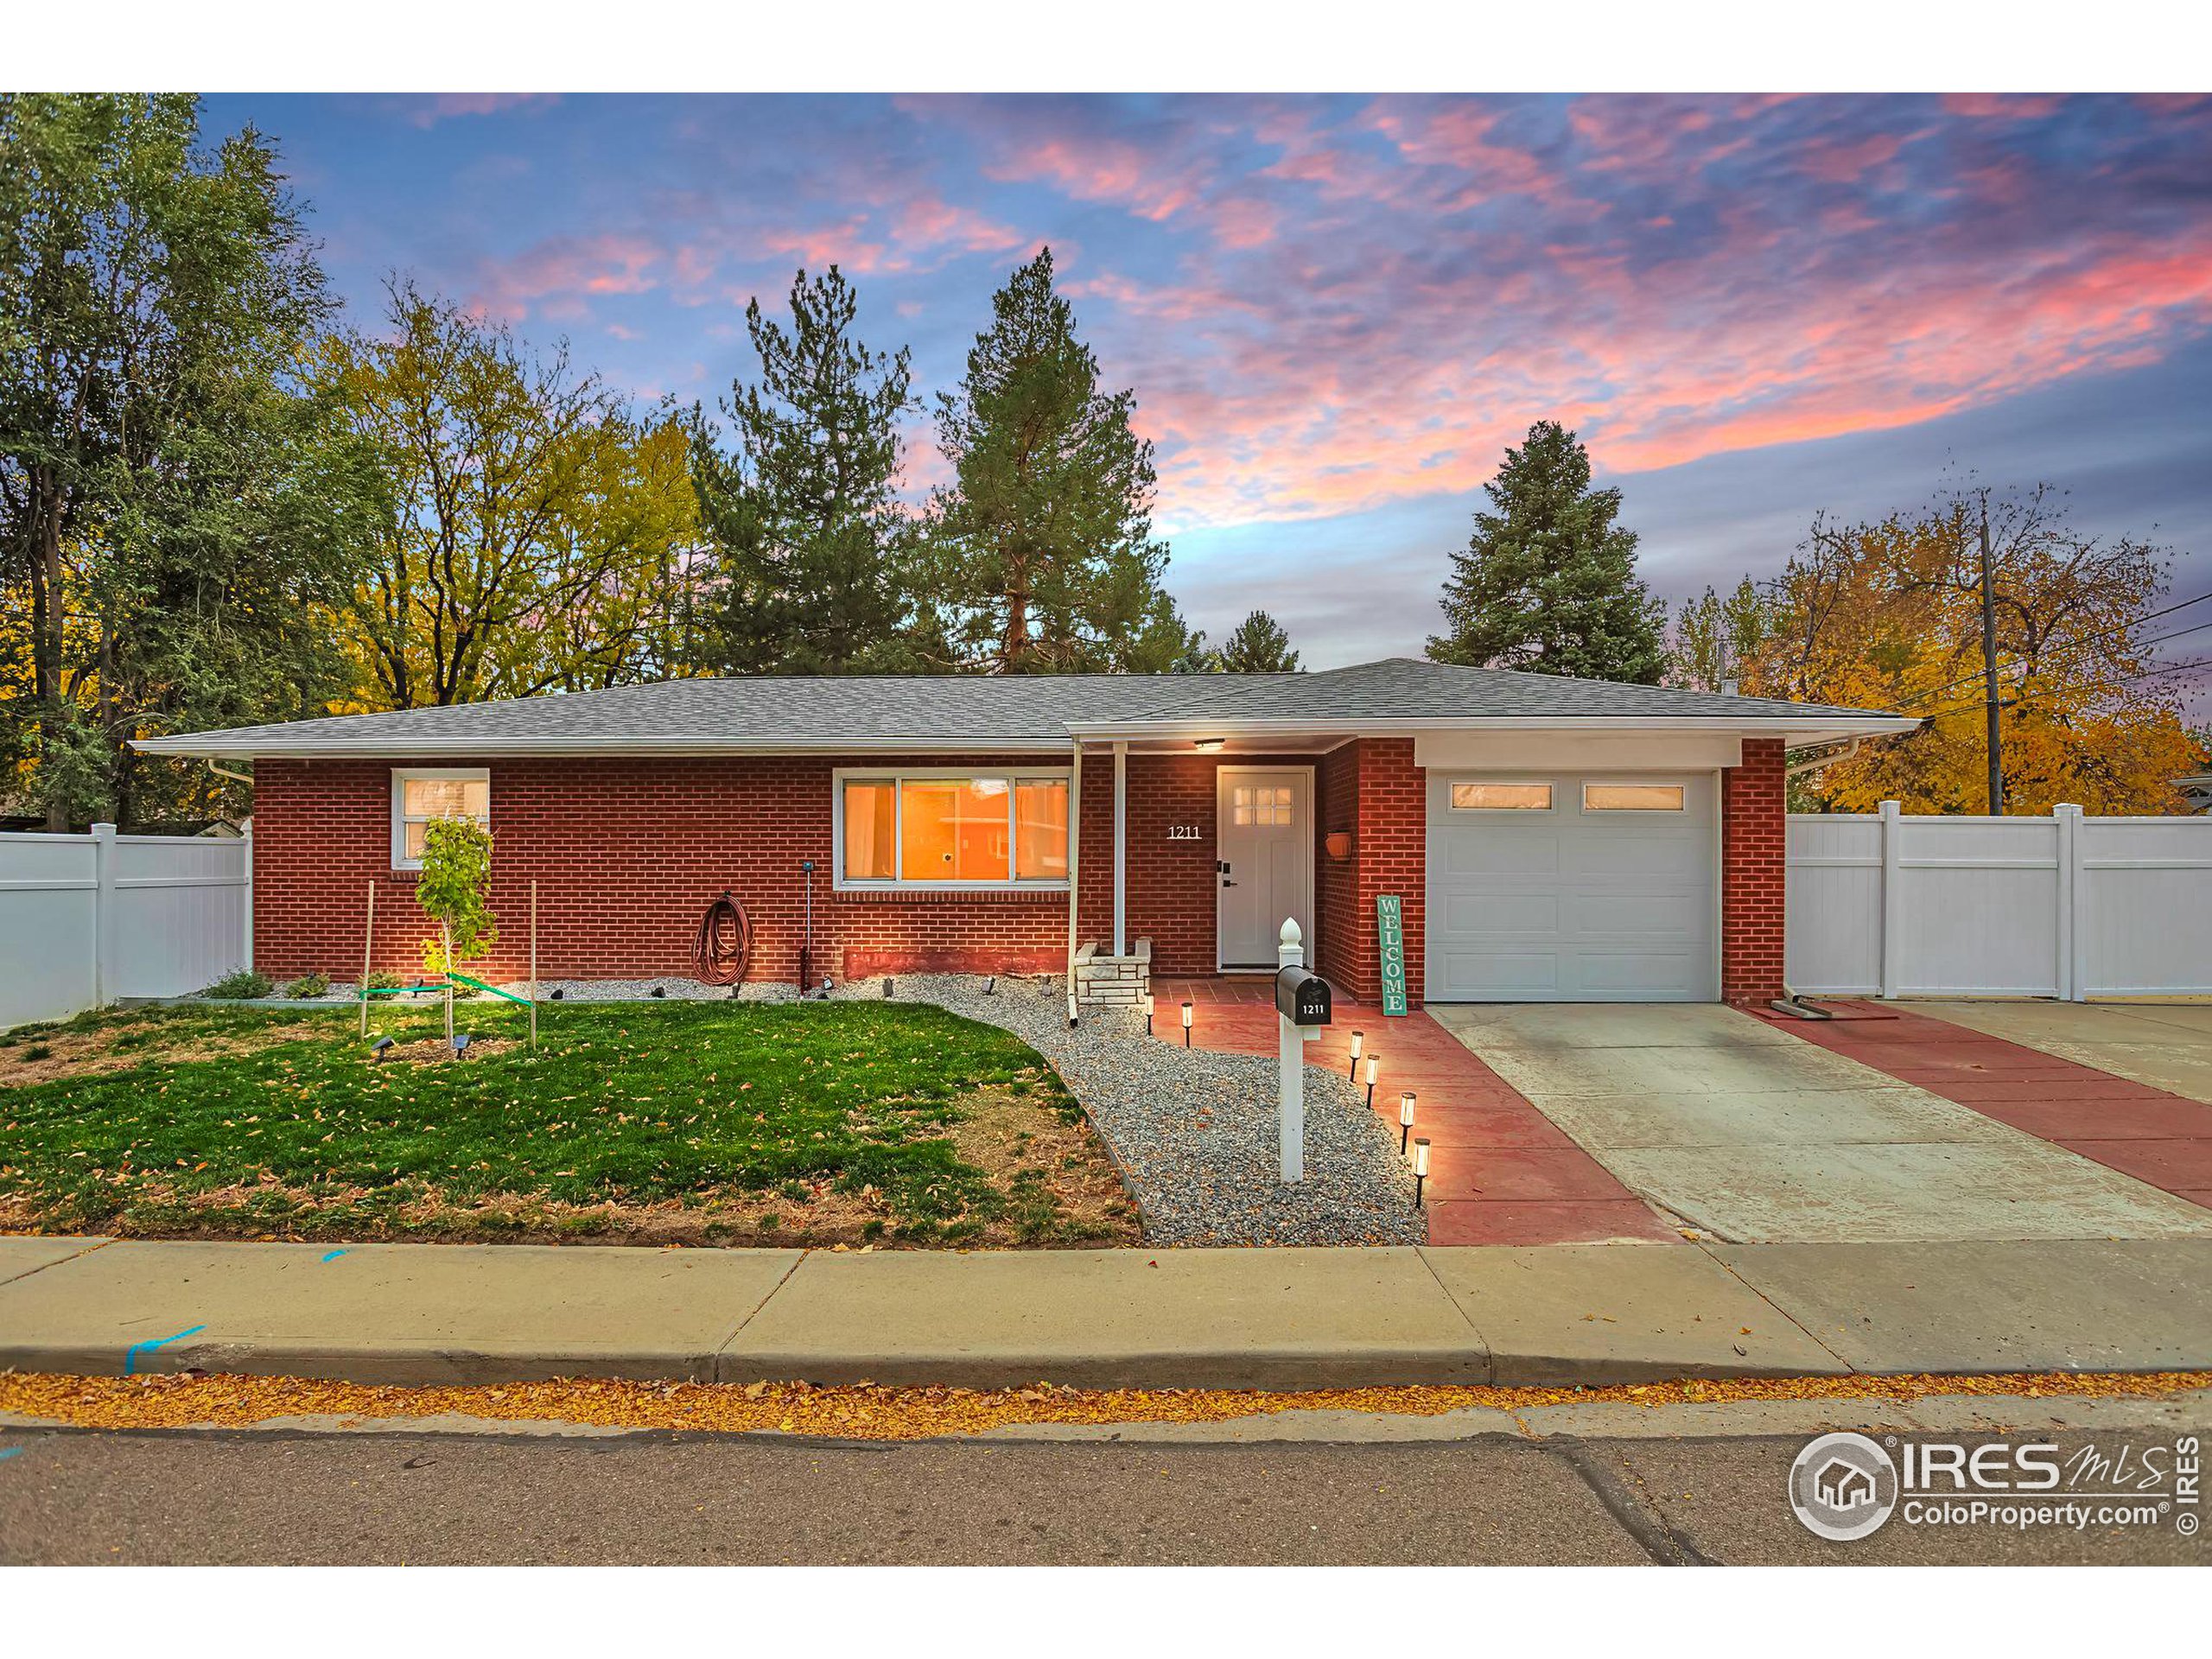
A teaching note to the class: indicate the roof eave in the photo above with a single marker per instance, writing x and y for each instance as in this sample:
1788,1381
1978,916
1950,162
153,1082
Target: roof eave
1808,727
209,746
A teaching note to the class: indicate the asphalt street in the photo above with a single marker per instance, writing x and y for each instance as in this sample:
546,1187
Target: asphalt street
268,1497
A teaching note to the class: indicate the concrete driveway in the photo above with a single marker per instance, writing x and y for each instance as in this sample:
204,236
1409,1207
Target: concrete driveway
2164,1045
1752,1136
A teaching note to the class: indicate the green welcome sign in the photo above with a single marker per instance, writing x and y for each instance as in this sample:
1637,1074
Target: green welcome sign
1392,929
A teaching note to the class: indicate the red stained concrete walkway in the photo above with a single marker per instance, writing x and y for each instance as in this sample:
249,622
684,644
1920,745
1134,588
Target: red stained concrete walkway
1500,1171
2161,1139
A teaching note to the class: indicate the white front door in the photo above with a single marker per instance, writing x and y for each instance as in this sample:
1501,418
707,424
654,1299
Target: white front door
1264,852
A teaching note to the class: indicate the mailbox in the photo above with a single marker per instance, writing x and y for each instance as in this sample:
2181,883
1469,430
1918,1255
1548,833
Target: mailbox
1302,997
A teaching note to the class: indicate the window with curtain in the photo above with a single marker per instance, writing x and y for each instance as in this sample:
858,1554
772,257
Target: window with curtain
920,830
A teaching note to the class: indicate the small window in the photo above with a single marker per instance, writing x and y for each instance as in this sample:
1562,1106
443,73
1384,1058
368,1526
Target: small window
1631,797
420,799
1500,797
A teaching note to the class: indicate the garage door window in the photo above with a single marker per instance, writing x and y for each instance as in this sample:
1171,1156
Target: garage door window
1500,797
1631,797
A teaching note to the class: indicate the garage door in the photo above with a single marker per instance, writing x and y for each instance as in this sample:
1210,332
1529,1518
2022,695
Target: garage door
1573,889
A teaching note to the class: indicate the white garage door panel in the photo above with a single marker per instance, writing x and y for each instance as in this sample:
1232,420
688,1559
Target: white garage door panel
1500,914
1569,906
1498,974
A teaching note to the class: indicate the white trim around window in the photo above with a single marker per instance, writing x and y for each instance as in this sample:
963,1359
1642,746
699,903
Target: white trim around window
1529,802
401,817
1634,795
1012,777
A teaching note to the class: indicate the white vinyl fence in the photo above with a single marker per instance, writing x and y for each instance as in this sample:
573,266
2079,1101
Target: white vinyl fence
2068,906
86,919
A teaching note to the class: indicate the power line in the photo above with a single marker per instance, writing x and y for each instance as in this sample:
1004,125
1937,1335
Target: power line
1967,679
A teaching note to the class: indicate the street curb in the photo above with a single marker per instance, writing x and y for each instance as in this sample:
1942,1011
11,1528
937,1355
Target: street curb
1558,1316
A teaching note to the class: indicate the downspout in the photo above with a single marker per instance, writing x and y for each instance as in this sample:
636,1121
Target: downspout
1075,857
222,771
1821,762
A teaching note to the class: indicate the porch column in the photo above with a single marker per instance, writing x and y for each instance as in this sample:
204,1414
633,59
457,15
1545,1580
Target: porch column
1075,858
1121,849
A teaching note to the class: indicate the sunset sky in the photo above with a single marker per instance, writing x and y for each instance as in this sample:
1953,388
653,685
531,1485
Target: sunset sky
1335,311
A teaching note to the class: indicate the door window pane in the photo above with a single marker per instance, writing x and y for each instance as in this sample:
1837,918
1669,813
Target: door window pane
1501,797
869,824
953,829
1631,797
1041,829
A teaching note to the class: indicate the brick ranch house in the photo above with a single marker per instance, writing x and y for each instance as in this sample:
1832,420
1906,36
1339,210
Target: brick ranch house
1548,839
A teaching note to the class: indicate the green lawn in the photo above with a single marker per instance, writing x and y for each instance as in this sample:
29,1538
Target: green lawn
689,1122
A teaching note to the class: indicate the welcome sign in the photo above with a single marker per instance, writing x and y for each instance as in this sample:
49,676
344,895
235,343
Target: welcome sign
1392,932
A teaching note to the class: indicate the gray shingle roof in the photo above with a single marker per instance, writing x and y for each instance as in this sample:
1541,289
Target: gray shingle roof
1414,688
951,713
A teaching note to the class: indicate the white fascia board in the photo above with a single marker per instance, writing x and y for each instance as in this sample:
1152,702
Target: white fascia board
1793,729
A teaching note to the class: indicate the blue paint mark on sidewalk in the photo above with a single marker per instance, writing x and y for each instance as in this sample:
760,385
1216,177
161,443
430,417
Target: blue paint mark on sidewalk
131,1359
7,1451
334,1255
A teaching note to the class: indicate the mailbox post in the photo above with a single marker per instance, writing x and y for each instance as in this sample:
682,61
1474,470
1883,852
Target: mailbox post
1302,1007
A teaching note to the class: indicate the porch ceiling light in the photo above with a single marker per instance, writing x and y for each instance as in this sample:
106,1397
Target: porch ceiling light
1209,745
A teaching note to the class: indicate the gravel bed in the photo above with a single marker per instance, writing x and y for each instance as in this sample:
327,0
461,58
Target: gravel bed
1193,1131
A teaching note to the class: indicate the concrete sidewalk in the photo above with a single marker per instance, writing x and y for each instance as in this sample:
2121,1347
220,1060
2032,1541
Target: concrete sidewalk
1558,1314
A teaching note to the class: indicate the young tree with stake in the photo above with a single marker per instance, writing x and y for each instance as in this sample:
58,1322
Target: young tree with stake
454,891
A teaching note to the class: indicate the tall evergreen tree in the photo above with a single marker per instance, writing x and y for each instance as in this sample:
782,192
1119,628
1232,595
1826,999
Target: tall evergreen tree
1042,546
802,513
1547,582
1258,646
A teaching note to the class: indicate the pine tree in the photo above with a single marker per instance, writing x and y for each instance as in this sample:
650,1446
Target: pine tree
1042,546
803,514
1547,582
1259,646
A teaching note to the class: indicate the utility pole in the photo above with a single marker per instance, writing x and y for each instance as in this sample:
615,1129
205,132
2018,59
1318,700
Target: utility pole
1989,671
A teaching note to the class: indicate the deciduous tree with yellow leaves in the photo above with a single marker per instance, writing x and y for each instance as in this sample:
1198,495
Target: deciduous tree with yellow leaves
537,531
1887,616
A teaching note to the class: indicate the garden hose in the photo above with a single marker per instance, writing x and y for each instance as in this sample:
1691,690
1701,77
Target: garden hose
724,944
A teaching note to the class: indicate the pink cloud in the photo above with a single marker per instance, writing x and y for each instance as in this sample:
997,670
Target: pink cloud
558,277
447,106
2004,106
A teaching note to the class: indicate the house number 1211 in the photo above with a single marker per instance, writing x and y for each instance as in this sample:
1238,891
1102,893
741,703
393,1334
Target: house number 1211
1182,832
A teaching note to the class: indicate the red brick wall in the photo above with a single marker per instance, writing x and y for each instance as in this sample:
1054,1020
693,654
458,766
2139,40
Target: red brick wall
626,855
1390,854
1336,886
1752,824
